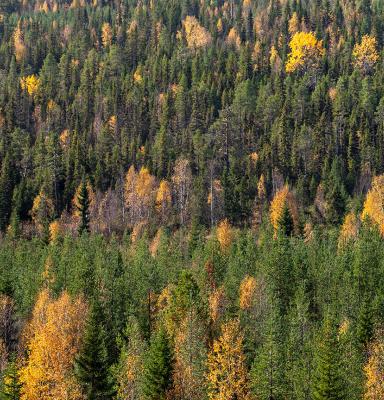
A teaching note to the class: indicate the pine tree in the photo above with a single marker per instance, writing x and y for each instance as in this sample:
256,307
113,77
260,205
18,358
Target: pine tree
10,386
83,208
328,383
91,367
158,366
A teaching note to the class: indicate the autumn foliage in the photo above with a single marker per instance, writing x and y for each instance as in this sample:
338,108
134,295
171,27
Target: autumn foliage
374,203
53,339
365,54
374,371
196,35
306,52
227,375
283,198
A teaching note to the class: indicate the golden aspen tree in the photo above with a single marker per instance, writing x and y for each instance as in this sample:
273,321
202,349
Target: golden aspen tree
53,339
274,60
42,210
106,34
227,372
18,42
140,193
225,235
374,203
195,34
217,304
164,199
190,359
31,84
233,38
349,229
306,52
283,198
112,124
246,293
55,230
374,372
219,25
138,75
293,24
365,54
64,139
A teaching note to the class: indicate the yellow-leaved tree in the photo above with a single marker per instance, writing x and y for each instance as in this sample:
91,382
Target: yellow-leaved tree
227,372
283,198
365,54
52,339
42,210
195,34
18,42
225,234
246,293
374,372
31,84
140,193
306,52
349,229
374,203
106,34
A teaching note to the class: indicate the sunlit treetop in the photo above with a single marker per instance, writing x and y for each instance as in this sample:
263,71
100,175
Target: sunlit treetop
306,52
365,54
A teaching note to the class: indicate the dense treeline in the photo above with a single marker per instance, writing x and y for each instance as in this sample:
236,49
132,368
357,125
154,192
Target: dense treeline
191,199
235,90
187,318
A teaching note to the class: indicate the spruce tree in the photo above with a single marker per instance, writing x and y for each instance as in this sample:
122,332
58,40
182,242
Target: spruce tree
91,366
328,382
286,222
158,365
11,386
365,324
83,207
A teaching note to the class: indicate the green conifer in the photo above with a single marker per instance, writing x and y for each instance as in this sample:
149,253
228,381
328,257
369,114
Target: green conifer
10,389
91,367
157,375
328,383
83,207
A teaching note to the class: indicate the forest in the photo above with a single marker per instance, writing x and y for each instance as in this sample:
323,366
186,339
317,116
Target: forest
191,200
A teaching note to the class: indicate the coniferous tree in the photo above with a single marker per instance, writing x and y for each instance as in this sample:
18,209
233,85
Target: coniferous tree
286,222
11,386
5,193
83,208
91,366
328,382
158,366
